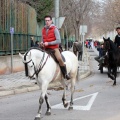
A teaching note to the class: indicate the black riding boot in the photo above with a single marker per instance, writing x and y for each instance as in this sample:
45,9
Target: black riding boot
100,67
64,72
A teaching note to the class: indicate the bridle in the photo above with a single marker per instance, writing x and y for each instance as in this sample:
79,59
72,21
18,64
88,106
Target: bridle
36,70
107,45
26,68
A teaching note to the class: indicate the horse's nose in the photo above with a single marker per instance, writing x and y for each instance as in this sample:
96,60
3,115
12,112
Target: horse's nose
33,78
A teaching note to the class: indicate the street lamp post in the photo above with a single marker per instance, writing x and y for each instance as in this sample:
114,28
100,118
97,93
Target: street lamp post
57,13
11,32
83,30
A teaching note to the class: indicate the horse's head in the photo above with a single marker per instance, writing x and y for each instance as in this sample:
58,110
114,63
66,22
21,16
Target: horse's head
29,65
106,43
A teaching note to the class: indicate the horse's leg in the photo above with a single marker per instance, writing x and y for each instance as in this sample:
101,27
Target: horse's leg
108,71
41,100
48,112
73,80
110,75
115,74
65,103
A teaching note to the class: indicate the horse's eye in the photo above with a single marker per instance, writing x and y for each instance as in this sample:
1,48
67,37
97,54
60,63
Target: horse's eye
31,66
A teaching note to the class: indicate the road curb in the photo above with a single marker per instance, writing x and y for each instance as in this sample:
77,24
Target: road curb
23,90
36,87
19,90
85,75
5,93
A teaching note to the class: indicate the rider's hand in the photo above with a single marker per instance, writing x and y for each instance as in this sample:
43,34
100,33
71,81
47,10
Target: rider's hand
46,44
42,44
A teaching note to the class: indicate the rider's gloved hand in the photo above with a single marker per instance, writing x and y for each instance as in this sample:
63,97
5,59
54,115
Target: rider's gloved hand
41,44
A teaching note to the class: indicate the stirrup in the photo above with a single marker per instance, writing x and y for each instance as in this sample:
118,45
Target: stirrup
100,68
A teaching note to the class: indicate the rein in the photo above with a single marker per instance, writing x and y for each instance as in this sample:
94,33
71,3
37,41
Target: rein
40,65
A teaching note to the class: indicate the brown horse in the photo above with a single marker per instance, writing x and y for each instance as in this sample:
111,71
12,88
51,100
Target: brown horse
113,55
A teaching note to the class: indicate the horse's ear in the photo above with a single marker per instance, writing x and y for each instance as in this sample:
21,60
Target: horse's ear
21,55
29,55
103,38
108,38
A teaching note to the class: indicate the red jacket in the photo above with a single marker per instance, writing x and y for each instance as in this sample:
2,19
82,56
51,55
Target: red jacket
49,37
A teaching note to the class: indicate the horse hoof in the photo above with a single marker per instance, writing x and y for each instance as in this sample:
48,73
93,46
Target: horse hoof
112,77
48,113
65,105
37,118
114,84
70,108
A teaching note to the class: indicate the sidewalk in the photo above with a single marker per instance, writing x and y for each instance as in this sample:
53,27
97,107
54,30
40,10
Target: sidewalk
18,83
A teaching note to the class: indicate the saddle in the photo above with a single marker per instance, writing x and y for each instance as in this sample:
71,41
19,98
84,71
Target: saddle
51,53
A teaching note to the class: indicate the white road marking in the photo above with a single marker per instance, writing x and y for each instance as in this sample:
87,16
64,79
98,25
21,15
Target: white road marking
77,107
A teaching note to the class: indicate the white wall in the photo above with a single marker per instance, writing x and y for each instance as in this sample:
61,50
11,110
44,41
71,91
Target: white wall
5,64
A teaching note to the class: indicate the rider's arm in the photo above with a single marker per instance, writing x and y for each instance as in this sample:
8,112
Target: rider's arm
58,39
115,40
41,43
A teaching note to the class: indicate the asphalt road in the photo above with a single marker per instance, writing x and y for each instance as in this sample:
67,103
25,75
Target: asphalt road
95,99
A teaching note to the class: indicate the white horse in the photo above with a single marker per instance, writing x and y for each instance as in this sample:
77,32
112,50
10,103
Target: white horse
40,65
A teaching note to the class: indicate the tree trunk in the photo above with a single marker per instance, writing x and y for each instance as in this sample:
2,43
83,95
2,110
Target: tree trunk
77,36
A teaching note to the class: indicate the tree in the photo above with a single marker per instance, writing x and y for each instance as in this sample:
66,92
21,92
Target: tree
76,11
108,18
42,7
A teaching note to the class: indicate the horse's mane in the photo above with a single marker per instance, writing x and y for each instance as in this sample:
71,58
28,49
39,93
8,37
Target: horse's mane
37,48
112,45
32,48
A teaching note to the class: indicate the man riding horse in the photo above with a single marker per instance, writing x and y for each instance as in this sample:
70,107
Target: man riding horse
51,40
113,56
117,38
101,57
40,66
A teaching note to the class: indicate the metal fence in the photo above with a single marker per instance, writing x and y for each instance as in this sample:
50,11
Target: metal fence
22,18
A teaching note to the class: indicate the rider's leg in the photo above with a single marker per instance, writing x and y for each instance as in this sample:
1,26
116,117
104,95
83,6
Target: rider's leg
97,58
61,63
101,60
